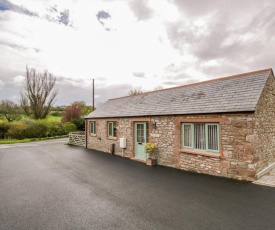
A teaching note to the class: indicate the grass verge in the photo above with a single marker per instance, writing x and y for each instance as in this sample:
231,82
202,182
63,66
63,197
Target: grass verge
14,141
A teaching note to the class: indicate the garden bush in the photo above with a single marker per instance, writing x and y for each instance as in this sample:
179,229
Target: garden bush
80,124
38,129
55,128
4,127
69,127
17,130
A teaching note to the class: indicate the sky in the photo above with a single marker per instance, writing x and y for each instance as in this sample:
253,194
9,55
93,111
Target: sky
131,44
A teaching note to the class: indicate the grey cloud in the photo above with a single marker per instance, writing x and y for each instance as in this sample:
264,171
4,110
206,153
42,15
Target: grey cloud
10,90
194,8
138,74
243,47
178,83
53,9
64,17
19,46
71,90
141,9
7,5
264,21
101,17
102,79
57,16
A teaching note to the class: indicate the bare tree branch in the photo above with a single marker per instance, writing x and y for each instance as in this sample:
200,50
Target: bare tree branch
38,94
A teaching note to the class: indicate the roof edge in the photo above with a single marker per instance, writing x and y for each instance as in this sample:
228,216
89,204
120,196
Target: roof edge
158,115
201,82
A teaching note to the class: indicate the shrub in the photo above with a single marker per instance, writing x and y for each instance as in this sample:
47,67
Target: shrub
55,129
4,127
17,130
71,113
56,113
69,127
37,129
80,124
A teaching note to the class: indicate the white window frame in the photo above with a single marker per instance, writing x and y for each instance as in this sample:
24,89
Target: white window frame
113,127
192,145
92,127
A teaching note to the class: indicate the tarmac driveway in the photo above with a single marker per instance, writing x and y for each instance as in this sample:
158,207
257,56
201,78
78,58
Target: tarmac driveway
49,185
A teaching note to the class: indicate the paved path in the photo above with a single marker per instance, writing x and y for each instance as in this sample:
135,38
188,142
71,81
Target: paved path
267,180
49,185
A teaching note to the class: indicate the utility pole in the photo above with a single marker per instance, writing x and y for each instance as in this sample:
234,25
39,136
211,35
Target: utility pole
93,94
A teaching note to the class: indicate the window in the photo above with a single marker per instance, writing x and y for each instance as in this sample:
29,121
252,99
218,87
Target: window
201,136
112,129
93,127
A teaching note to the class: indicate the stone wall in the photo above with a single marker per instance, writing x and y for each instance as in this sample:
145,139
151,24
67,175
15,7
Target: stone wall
264,132
235,160
100,141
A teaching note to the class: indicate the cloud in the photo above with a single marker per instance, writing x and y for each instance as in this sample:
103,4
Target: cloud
138,74
18,46
64,17
102,16
18,80
79,90
141,9
59,16
1,84
7,5
212,33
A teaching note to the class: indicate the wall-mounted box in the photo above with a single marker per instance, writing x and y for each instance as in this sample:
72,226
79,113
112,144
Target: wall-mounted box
122,142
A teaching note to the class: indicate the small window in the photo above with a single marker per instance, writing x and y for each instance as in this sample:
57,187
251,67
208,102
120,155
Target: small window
201,136
93,127
112,129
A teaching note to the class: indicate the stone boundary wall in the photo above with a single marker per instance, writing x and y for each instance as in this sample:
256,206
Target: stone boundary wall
77,138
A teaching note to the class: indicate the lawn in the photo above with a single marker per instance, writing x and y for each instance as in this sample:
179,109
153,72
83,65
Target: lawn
53,118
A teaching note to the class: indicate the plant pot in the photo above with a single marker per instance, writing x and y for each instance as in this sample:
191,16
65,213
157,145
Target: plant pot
151,162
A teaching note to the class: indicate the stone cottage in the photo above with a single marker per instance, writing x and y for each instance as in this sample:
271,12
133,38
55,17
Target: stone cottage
223,127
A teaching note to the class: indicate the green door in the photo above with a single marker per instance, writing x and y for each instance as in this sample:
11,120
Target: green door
141,137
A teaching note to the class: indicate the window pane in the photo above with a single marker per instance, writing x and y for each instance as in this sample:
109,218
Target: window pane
110,129
114,129
147,132
199,134
140,133
92,127
187,129
213,137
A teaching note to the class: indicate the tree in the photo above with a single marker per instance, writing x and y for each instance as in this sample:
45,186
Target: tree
75,112
10,110
71,113
85,109
158,88
135,92
38,93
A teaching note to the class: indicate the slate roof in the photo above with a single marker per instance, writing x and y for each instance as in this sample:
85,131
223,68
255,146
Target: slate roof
238,93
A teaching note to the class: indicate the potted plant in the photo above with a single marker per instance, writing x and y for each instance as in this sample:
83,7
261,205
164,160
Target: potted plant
150,149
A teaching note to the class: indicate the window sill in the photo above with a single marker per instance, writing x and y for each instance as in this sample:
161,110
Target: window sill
112,138
217,155
92,135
